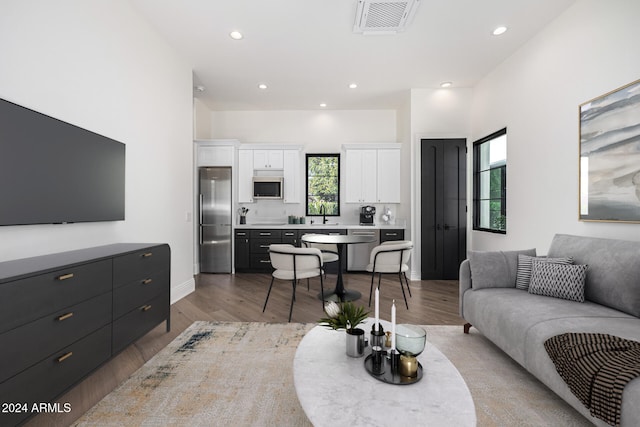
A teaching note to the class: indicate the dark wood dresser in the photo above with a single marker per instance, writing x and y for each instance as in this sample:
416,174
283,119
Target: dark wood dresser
63,315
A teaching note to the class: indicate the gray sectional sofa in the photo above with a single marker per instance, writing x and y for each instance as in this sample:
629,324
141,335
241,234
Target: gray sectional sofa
519,322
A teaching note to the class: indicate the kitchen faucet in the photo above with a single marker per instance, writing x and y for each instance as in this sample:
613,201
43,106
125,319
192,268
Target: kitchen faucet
323,212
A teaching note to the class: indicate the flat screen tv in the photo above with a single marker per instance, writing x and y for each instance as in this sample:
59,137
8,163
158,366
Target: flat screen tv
54,172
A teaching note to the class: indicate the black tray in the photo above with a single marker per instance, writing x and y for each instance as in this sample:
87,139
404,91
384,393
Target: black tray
387,376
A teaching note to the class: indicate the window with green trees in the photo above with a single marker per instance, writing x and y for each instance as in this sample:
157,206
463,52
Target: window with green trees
323,184
490,183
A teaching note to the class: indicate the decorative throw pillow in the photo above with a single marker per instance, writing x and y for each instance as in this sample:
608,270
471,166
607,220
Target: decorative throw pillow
525,262
558,280
495,269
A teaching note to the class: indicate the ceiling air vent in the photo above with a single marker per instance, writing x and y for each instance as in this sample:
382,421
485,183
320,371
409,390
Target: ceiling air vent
384,16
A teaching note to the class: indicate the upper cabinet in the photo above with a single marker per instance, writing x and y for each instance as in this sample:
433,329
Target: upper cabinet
245,176
372,173
218,152
268,159
291,174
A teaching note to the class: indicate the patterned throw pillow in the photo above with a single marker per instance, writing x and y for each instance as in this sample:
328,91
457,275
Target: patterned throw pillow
525,262
558,280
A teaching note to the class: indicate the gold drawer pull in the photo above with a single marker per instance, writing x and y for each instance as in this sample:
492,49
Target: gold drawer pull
147,281
65,277
65,317
147,254
65,357
146,308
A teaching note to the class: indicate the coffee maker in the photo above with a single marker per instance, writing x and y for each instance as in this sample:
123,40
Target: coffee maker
367,213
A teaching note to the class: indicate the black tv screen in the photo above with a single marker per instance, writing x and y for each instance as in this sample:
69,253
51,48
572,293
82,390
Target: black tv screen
54,172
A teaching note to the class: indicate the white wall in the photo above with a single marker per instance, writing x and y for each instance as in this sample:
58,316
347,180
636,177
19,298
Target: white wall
99,66
588,51
435,113
317,131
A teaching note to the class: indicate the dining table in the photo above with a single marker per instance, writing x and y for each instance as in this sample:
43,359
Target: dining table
339,293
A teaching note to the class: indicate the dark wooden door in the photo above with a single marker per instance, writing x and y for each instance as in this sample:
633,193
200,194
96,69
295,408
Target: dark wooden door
443,207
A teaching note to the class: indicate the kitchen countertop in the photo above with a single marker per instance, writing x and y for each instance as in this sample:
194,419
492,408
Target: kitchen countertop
316,226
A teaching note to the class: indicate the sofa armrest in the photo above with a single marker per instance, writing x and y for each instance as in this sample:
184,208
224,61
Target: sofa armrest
464,282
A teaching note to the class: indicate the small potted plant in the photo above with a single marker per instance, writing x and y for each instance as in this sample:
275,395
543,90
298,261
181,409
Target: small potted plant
346,316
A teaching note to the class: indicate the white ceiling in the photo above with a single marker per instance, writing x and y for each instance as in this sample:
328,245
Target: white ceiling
306,52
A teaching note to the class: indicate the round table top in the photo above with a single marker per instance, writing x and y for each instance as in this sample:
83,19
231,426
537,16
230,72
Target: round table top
335,389
337,238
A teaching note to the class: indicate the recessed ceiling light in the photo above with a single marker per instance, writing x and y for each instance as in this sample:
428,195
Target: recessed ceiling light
353,86
323,105
262,86
499,30
236,35
446,84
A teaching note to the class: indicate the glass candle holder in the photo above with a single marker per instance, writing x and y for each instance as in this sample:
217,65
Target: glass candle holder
410,342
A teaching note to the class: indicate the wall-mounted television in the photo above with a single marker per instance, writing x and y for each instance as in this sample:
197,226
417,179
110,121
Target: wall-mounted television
54,172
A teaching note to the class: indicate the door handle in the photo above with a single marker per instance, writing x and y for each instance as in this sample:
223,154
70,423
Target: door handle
447,227
201,199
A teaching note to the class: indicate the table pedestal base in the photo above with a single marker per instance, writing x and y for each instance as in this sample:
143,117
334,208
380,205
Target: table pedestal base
347,295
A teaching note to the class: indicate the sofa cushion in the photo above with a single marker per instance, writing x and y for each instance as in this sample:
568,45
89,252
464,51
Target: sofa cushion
495,269
505,315
525,262
614,270
558,280
539,363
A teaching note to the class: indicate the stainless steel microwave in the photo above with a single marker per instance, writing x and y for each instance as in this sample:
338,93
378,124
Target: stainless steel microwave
267,187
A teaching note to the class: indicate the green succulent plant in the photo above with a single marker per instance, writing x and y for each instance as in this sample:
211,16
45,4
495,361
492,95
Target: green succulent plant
343,316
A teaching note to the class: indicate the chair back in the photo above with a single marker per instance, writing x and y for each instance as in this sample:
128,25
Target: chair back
324,247
395,253
290,258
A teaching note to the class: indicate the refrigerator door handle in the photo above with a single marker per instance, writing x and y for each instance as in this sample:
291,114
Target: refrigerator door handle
200,236
200,210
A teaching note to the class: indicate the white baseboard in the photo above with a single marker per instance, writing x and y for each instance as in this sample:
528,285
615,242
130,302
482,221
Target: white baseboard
182,290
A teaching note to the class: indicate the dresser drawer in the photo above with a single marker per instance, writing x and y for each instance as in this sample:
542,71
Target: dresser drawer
51,377
139,321
29,299
28,344
139,265
138,292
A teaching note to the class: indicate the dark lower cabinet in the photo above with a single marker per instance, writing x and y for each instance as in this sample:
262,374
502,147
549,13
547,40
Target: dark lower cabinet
391,234
63,315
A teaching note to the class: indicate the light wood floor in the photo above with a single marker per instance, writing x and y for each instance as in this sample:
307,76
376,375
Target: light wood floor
240,297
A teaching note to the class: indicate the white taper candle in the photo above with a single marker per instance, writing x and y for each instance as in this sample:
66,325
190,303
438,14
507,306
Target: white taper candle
376,325
393,325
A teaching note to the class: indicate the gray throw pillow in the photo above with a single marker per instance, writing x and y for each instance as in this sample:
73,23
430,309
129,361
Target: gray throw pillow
525,262
558,280
495,269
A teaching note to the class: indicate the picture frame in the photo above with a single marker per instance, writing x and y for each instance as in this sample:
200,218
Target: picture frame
609,163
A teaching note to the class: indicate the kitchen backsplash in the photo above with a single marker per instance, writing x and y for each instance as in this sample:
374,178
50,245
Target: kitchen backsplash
276,212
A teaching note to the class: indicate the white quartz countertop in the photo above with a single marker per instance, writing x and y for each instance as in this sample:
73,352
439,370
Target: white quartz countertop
319,226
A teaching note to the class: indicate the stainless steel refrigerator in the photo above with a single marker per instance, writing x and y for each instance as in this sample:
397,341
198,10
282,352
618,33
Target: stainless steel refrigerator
215,220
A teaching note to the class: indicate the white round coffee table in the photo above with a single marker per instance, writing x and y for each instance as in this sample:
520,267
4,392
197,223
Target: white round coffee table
336,390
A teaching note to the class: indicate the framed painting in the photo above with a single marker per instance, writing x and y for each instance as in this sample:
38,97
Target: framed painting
610,156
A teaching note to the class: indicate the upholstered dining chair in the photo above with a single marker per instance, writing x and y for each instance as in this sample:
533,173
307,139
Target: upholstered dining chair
292,263
329,252
391,257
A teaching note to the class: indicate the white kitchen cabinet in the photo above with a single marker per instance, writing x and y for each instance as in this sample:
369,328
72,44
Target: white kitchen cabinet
245,176
388,179
361,169
291,174
372,175
268,159
211,155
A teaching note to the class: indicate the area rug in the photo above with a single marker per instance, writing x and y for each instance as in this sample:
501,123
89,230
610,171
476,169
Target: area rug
241,374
